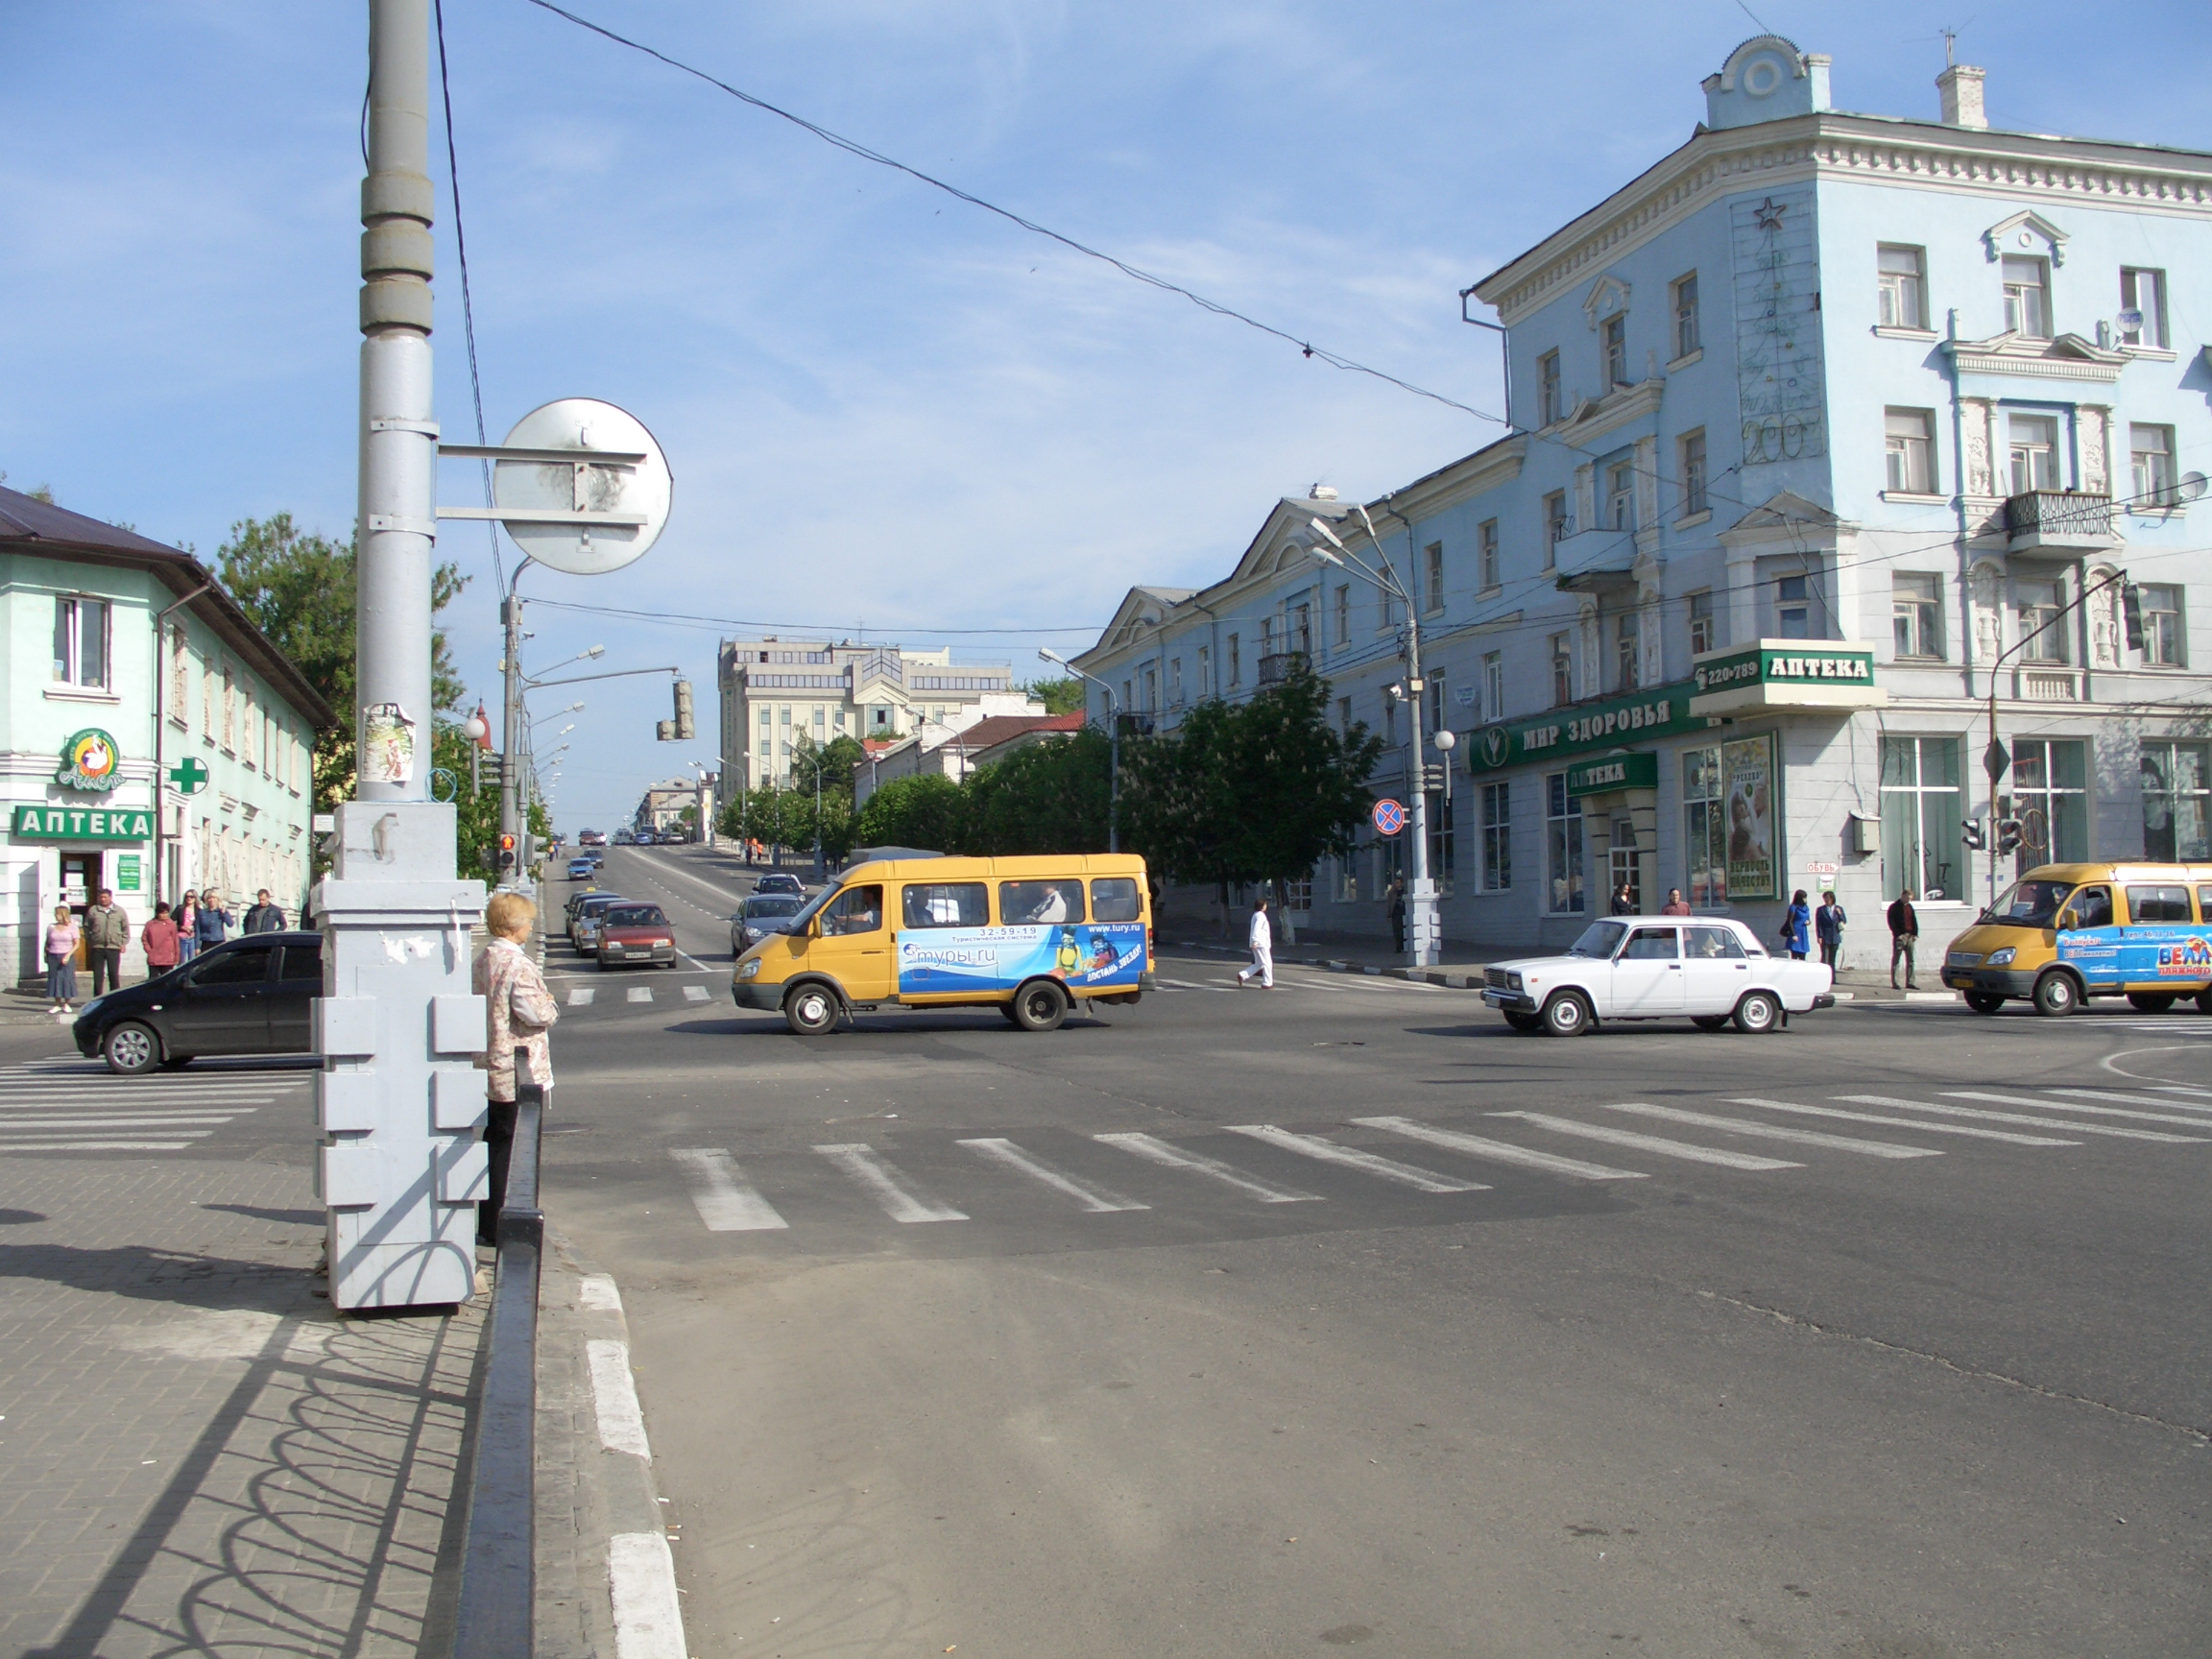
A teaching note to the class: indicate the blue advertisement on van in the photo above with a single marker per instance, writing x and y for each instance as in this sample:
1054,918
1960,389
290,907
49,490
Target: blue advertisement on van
1083,955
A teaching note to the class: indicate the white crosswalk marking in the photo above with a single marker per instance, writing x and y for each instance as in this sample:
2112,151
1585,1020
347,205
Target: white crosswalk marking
640,993
1162,1152
1368,1163
694,993
2165,1100
2006,1135
882,1182
148,1120
581,996
95,1145
2038,1104
71,1107
726,1201
2181,1089
1096,1199
1776,1132
1499,1151
1650,1143
1974,1111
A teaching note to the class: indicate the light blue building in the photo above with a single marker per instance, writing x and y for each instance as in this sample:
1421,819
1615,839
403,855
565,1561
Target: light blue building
1831,433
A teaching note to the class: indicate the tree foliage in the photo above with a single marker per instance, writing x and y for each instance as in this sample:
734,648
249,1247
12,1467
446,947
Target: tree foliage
1061,696
1049,796
929,811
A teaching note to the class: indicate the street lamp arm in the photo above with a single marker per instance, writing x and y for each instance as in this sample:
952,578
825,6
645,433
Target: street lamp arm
611,674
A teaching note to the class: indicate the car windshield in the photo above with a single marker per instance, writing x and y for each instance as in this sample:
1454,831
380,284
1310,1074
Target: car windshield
779,907
2029,903
813,908
1599,939
635,915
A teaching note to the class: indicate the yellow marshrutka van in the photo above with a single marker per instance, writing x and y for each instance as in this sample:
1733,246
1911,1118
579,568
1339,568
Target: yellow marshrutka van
2064,933
1030,937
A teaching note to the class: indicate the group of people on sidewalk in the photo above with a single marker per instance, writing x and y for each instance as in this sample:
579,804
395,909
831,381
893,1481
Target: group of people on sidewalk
172,935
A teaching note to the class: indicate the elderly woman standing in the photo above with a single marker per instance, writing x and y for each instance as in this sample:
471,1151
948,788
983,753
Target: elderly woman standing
519,1011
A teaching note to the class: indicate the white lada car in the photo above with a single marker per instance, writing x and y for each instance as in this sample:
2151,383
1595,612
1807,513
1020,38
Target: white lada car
1711,970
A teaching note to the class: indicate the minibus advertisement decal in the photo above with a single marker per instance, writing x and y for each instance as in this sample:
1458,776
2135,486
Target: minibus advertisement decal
1082,954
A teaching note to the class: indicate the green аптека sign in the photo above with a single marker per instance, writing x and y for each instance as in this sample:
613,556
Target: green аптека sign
1785,674
83,824
1656,713
1610,772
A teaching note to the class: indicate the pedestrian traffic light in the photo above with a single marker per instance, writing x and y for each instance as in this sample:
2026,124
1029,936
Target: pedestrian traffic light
506,852
686,731
1973,834
2011,832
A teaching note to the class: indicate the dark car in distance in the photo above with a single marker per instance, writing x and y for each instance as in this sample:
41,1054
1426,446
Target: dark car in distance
250,995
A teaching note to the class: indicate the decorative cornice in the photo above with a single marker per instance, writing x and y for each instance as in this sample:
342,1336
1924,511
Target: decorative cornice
2068,357
1594,420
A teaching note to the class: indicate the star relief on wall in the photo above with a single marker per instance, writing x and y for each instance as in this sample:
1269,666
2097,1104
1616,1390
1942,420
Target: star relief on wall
1768,213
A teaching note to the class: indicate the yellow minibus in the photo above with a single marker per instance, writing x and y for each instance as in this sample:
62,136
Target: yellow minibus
2066,932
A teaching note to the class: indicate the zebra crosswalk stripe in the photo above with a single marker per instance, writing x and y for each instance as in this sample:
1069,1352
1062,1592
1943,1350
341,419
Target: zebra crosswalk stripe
1659,1144
726,1201
1777,1132
1162,1152
2037,1104
2170,1104
1370,1163
1499,1151
884,1184
582,996
1976,1112
1096,1199
2006,1135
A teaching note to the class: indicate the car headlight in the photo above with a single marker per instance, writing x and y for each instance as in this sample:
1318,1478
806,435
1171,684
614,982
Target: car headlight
749,969
2001,958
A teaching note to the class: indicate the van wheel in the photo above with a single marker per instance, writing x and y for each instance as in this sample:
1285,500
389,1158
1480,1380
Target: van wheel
2153,1001
810,1010
1757,1014
1983,1003
1007,1009
2057,995
1040,1005
1568,1015
1709,1022
131,1048
2204,1000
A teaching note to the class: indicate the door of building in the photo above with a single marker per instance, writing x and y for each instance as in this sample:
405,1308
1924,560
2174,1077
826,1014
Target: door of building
1624,864
82,875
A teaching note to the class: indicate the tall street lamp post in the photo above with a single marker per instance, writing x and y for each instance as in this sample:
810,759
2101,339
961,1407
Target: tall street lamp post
1112,747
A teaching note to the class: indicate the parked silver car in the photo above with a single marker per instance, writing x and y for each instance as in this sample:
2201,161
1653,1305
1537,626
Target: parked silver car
762,914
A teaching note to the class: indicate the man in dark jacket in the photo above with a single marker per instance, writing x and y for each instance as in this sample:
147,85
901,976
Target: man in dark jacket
107,931
1904,935
263,917
1394,905
1828,928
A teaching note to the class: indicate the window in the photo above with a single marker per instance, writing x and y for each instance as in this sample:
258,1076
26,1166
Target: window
1497,837
860,910
1705,830
1902,277
301,962
1344,716
1555,526
230,711
2026,297
1621,495
80,642
1921,818
2052,779
2144,293
1685,308
1443,842
1434,690
1494,685
1547,410
767,716
1034,904
1175,682
1432,575
1152,687
822,719
1617,350
1628,652
2148,905
784,714
1563,847
178,686
2176,801
1562,671
1301,632
2042,635
1909,441
1711,944
1390,719
1116,898
2150,450
2162,634
1486,537
1690,461
2033,443
245,966
1701,636
1341,608
1653,945
947,905
1236,662
1205,669
1793,606
1916,614
1267,638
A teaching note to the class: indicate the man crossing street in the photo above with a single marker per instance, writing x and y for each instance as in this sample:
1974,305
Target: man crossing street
1261,938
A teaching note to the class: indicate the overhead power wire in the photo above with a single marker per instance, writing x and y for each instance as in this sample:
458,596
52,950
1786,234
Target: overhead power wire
467,300
851,147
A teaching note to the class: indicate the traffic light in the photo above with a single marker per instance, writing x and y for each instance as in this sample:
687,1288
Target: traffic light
686,731
1974,835
2011,832
506,852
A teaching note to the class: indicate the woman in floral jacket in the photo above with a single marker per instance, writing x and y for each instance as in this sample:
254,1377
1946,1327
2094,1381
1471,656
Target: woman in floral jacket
519,1013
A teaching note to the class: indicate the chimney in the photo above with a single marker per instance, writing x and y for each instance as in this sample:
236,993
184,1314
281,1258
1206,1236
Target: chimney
1961,87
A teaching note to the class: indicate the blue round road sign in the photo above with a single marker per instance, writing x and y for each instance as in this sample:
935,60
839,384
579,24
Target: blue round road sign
1389,817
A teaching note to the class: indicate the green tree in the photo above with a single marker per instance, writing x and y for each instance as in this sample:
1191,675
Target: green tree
1052,795
928,812
1061,696
477,812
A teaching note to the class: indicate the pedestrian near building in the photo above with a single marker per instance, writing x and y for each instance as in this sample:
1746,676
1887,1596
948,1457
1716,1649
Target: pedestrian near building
213,924
1623,901
1261,937
61,961
519,1011
1394,903
1828,928
1797,928
162,943
264,917
107,931
1675,904
1904,936
187,927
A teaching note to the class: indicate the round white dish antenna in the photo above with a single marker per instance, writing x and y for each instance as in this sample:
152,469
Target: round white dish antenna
596,475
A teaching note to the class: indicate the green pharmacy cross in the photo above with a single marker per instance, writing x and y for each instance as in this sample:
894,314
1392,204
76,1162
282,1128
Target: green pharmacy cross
189,774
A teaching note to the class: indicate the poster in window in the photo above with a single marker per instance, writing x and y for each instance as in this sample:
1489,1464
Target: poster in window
1747,769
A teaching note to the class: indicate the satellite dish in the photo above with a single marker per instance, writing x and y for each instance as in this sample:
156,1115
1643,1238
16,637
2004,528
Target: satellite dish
2193,485
597,474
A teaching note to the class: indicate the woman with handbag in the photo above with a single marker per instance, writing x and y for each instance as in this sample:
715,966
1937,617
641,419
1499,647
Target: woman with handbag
519,1013
1797,926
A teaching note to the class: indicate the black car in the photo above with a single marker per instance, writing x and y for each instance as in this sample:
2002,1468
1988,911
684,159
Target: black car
250,995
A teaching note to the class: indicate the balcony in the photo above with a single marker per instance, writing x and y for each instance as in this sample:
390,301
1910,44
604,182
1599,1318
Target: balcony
1276,668
2059,521
2047,684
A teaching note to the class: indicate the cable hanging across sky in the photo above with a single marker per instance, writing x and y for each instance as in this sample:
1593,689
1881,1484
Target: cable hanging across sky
852,148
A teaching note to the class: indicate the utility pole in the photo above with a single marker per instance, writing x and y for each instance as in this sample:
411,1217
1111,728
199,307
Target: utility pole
399,1100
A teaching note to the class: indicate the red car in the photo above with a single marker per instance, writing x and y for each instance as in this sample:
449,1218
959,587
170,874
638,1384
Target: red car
629,934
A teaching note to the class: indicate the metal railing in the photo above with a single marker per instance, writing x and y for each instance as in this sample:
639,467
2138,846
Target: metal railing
1277,666
496,1614
2058,513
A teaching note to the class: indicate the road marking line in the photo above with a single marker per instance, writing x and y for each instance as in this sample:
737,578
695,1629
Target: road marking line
2132,1100
614,1399
1368,1163
94,1147
582,996
2014,1117
866,1165
641,1581
148,1090
2180,1089
1903,1122
1157,1151
1777,1132
640,994
1188,985
1501,1151
164,1121
726,1201
1098,1200
694,993
159,1110
597,1291
2036,1103
1650,1143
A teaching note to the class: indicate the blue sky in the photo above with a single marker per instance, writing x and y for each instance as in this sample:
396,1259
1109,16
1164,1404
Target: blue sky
886,410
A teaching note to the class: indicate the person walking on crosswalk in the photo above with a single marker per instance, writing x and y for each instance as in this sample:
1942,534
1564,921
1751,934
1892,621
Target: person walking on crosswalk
1261,938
